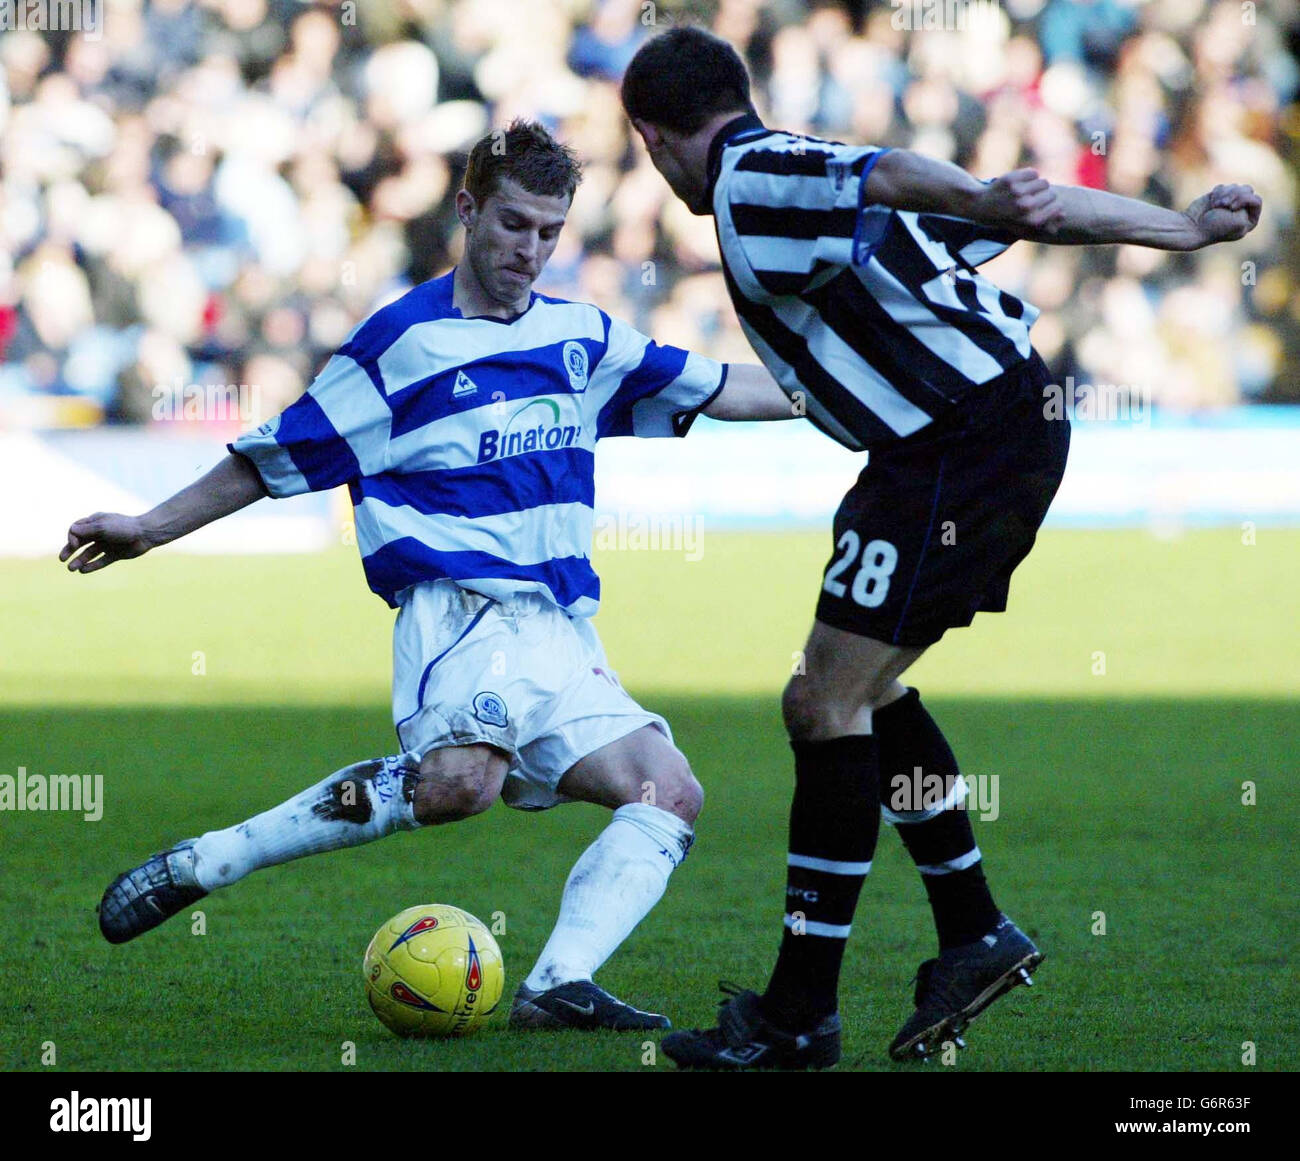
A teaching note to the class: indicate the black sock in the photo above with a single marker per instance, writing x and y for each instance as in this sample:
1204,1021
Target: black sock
943,847
834,823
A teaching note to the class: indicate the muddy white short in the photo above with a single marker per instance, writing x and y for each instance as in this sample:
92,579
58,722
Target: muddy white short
519,674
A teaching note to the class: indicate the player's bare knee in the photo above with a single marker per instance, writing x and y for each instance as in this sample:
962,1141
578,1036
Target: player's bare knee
661,776
794,707
676,789
457,783
813,711
471,798
448,800
804,708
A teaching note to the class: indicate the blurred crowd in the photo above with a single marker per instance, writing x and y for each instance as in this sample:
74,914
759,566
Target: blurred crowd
216,191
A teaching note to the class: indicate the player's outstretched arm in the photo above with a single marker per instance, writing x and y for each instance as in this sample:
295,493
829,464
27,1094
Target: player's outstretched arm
750,393
95,542
903,180
1093,217
1028,206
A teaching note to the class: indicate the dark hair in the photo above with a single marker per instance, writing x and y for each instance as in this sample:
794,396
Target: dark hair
682,77
526,153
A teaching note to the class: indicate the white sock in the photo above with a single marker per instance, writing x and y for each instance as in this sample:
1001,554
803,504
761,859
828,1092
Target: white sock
611,888
354,805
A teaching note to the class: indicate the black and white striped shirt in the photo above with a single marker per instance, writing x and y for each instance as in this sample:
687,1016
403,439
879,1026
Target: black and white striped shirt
876,317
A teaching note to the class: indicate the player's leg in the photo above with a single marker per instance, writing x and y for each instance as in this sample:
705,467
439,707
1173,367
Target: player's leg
526,677
1009,470
355,805
648,783
982,953
835,814
453,765
857,732
834,823
914,755
851,690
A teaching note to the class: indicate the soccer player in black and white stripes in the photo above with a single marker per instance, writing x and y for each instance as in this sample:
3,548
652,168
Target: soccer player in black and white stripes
853,271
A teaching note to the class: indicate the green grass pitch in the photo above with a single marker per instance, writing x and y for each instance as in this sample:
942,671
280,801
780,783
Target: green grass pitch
1132,689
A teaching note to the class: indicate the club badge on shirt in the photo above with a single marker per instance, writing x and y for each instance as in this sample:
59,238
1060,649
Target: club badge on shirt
575,363
490,709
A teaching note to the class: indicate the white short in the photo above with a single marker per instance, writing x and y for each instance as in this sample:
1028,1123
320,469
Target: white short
518,674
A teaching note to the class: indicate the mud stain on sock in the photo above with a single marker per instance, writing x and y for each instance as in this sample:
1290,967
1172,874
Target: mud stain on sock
348,799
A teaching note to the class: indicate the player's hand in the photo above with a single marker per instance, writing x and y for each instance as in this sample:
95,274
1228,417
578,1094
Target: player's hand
95,542
1226,213
1021,199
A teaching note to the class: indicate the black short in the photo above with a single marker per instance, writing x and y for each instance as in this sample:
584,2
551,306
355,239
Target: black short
936,524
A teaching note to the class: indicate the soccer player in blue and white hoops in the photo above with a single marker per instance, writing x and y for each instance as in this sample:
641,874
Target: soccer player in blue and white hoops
463,417
853,270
